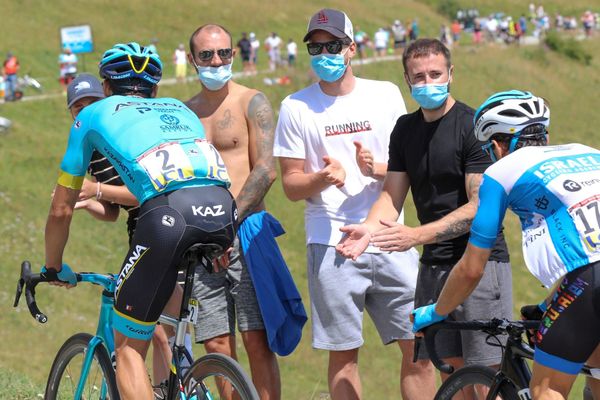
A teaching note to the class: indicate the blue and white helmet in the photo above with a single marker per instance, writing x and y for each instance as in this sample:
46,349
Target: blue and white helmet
130,60
510,113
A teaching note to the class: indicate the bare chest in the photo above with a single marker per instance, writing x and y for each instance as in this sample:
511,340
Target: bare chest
227,128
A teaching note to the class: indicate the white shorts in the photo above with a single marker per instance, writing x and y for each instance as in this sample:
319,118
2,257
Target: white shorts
341,289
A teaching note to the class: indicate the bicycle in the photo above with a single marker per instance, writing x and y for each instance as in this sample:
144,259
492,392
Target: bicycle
510,382
84,367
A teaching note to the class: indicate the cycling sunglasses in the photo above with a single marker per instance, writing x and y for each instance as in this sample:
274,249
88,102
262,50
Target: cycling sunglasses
333,47
207,55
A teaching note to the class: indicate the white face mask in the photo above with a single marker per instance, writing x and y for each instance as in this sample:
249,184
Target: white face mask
214,78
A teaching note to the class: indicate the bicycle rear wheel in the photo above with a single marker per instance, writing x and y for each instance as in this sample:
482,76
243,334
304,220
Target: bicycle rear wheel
217,376
473,382
67,367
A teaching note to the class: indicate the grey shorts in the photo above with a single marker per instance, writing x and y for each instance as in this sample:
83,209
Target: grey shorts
341,289
224,297
491,298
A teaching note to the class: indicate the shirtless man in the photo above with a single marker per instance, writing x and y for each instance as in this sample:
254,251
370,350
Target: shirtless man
240,123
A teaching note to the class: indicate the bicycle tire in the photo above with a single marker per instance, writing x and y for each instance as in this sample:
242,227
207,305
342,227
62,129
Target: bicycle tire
222,366
67,366
465,378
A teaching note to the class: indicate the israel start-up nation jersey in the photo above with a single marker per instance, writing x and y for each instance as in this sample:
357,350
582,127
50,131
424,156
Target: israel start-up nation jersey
555,191
156,146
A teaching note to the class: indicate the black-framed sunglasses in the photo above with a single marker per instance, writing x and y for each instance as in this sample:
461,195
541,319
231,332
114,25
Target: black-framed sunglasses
207,55
333,47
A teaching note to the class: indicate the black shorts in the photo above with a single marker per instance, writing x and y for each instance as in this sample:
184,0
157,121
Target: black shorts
570,328
168,225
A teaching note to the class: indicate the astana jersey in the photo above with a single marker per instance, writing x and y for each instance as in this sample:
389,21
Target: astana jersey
555,191
156,146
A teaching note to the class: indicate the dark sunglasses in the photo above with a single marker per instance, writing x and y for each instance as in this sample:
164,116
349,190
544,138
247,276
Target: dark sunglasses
333,47
207,55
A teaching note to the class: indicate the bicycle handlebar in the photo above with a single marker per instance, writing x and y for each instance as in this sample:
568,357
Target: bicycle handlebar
494,326
29,281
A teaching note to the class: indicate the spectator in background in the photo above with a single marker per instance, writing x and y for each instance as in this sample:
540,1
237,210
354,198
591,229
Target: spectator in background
67,62
180,61
456,29
9,71
255,46
477,31
152,45
414,30
588,23
523,24
273,46
292,52
399,36
380,39
245,48
362,41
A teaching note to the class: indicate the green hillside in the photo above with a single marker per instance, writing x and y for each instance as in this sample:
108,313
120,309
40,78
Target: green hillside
31,151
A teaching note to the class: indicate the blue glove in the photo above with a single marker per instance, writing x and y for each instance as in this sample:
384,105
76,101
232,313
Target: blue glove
543,306
65,275
425,316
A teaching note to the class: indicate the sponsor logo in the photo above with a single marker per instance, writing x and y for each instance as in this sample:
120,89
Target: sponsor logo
117,162
524,394
346,128
77,124
139,331
136,255
169,119
168,220
213,211
571,186
322,18
147,105
541,203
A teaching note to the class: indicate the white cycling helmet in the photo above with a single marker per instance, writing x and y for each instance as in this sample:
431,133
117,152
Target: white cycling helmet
509,113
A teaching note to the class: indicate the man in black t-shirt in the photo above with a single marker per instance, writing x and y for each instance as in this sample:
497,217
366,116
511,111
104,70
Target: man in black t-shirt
245,49
434,153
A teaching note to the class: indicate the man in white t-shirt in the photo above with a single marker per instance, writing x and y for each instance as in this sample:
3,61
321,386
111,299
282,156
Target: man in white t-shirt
67,62
273,45
332,141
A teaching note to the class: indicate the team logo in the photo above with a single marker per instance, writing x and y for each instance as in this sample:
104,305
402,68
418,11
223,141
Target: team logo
77,124
82,85
169,119
571,186
168,220
541,203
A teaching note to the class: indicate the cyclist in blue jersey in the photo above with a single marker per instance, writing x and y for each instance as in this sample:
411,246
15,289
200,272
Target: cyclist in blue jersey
555,192
157,145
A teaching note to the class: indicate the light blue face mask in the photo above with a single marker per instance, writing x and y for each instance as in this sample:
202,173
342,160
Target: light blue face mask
430,96
214,78
329,67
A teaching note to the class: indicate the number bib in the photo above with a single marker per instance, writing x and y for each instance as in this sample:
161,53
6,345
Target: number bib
586,215
166,163
215,165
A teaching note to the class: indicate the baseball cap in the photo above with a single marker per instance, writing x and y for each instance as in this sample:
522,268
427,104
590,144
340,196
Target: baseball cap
85,85
333,21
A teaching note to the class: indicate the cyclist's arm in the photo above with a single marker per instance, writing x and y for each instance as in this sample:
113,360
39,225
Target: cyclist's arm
57,225
463,279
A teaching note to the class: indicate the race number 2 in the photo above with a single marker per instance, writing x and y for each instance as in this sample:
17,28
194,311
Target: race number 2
165,164
586,215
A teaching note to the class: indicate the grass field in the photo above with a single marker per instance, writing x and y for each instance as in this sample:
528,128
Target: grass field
31,152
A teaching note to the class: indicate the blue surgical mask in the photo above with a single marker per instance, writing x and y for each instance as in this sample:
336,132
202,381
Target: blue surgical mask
430,96
214,78
329,67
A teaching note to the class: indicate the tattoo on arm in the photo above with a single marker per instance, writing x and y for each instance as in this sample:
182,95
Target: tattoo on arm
262,175
460,220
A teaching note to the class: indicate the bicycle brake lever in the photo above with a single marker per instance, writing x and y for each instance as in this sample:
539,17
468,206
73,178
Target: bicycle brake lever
20,285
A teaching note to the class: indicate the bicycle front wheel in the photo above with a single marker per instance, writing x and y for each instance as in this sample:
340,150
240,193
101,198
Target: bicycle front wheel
473,382
100,382
217,376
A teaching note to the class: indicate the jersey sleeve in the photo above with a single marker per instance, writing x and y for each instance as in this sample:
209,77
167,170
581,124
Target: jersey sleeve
78,154
493,202
288,136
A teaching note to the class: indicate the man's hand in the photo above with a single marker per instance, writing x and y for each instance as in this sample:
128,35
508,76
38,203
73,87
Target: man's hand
395,237
424,316
221,262
333,172
364,159
354,242
66,277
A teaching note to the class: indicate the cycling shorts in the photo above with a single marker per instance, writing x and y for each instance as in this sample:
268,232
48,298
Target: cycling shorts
570,328
168,225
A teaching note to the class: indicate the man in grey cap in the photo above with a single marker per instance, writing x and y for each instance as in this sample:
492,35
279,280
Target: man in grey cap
332,143
84,90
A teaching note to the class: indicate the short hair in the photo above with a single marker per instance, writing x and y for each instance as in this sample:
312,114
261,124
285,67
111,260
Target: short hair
211,27
425,47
